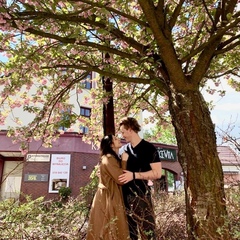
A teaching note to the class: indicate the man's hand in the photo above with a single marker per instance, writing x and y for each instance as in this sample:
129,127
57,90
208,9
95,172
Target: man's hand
126,177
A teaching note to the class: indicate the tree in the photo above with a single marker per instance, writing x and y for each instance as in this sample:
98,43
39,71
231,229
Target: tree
162,134
228,137
162,53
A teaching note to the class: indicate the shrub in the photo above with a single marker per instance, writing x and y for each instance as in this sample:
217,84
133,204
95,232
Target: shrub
39,219
170,216
53,220
64,192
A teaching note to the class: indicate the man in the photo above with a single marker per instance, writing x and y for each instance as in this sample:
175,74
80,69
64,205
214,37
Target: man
143,164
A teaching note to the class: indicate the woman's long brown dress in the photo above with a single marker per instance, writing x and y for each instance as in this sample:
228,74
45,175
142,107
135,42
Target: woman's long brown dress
108,219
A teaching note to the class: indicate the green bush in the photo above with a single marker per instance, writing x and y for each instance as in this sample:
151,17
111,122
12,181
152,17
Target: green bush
39,219
233,207
64,192
54,220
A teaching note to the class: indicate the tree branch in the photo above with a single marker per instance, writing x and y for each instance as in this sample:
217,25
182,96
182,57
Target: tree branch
113,10
165,45
175,14
32,15
103,73
209,15
226,49
218,34
194,44
231,71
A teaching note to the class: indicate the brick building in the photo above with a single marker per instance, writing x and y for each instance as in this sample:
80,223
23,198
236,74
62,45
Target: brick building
70,162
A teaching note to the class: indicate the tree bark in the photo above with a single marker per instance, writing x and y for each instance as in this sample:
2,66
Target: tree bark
197,151
108,108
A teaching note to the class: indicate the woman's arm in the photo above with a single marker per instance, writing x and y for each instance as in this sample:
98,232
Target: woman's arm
112,167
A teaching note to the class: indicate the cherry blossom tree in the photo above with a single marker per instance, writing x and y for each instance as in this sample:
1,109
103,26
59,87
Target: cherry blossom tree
161,55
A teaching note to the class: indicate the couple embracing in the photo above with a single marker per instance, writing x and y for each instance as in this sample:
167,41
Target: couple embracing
122,207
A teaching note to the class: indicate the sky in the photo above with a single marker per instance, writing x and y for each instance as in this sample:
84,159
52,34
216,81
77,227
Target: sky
225,113
226,110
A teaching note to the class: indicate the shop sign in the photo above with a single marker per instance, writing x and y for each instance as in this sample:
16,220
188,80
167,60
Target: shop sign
35,177
38,157
167,154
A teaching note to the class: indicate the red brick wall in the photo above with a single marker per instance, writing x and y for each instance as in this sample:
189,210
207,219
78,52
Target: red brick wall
78,176
1,168
82,154
36,189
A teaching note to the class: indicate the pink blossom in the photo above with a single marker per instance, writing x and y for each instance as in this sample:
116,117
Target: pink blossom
26,101
2,120
24,151
61,131
36,66
44,81
70,130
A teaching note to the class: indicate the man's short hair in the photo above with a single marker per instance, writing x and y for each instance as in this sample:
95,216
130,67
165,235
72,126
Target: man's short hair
132,123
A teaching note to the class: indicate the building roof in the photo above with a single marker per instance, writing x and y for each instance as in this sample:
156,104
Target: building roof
228,156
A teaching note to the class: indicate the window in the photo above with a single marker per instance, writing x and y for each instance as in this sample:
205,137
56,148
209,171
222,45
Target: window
86,112
87,83
84,130
65,121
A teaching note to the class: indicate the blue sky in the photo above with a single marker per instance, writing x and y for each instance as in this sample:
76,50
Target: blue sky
226,110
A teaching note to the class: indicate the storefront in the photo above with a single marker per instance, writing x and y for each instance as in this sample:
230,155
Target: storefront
69,163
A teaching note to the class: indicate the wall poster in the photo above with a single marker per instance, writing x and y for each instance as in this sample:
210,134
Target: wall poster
59,172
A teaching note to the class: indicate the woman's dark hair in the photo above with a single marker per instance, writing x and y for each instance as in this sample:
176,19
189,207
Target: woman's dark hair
105,147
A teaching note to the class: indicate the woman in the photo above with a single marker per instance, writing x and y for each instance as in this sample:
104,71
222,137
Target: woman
107,219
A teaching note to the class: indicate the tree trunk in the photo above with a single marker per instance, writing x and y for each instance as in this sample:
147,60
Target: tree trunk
197,153
108,108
